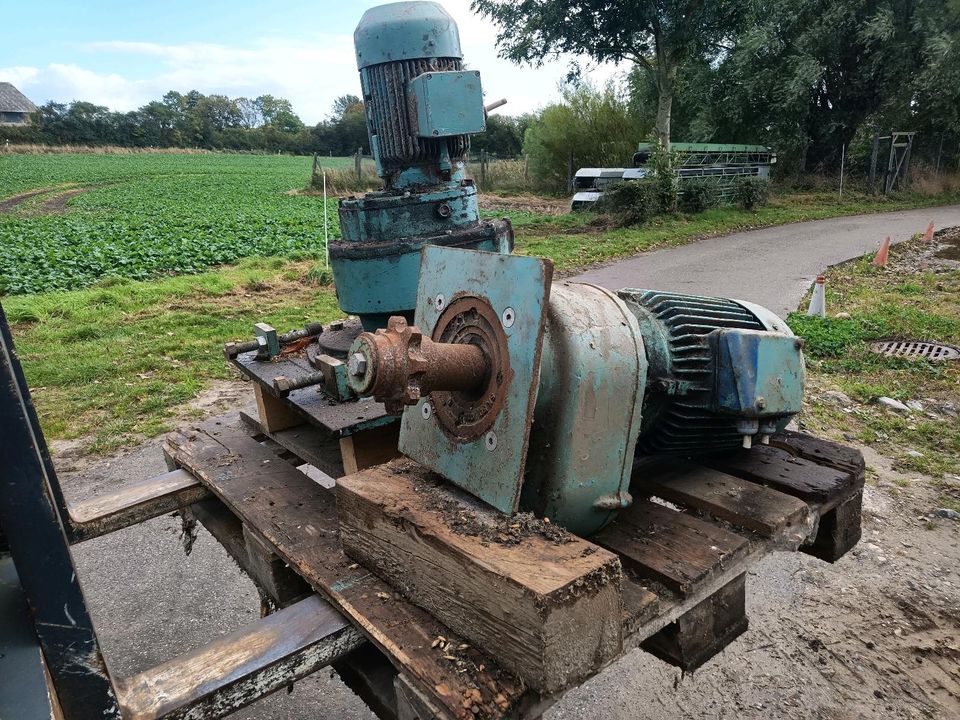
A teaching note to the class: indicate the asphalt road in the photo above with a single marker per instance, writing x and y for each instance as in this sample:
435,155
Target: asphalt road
150,602
773,267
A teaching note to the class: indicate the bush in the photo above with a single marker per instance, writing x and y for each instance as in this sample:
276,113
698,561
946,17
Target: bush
697,195
632,202
751,192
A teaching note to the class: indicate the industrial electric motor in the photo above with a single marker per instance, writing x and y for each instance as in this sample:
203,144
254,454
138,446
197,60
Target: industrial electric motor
421,109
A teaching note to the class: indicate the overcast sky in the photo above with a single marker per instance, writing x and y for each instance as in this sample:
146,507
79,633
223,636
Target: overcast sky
124,54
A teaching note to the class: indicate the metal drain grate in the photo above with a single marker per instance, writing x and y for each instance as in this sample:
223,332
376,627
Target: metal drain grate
916,349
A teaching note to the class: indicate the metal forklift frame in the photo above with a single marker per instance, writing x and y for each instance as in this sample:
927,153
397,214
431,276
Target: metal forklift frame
32,514
37,528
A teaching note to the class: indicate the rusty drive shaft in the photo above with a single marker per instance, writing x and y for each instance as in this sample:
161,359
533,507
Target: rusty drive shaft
398,365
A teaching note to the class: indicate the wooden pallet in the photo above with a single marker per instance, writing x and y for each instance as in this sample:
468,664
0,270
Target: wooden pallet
685,547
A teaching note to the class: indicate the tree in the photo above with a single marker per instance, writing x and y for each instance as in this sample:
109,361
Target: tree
595,126
659,36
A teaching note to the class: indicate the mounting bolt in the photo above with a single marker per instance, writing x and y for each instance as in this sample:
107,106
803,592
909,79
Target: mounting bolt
426,410
490,441
508,317
444,210
357,365
439,302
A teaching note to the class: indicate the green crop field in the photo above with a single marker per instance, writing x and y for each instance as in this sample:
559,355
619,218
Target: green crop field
144,215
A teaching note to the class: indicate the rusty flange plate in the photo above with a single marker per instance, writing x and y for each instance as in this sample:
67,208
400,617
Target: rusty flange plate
490,465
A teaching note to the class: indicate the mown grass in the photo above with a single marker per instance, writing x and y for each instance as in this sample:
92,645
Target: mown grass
897,303
111,363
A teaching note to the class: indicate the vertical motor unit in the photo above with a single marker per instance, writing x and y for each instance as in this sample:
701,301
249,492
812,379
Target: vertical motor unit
421,108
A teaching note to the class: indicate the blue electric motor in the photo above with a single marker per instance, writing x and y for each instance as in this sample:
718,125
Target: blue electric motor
421,108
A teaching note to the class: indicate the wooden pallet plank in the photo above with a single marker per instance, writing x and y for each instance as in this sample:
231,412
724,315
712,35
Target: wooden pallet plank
310,443
671,547
795,476
133,503
235,670
745,504
545,602
298,518
820,451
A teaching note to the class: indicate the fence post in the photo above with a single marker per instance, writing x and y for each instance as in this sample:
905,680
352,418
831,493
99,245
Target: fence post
483,169
357,159
874,153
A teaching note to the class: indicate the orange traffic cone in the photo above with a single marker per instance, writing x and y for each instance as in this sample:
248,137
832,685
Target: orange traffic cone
883,254
928,235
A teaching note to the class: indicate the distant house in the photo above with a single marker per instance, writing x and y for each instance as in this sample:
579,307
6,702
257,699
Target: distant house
15,108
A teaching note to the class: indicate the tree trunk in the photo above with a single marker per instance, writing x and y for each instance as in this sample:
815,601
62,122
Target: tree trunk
666,75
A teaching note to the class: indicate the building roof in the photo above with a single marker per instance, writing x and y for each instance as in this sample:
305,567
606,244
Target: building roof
14,101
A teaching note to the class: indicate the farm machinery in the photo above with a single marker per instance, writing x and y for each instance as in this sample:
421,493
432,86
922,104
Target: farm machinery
717,163
480,489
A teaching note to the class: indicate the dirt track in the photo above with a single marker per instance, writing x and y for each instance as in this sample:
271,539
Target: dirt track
54,205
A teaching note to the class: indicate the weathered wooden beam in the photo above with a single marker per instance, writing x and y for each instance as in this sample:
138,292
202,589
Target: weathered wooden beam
671,547
235,670
134,503
547,604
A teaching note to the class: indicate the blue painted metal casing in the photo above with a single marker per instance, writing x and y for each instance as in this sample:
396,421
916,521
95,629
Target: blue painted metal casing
592,382
494,474
758,374
405,31
421,107
448,103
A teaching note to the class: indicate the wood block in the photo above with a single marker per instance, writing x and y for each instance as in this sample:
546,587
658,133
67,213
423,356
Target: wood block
671,547
548,609
273,412
744,504
839,530
371,447
795,476
298,518
703,631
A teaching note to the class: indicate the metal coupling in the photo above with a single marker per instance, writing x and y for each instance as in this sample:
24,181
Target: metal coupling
398,365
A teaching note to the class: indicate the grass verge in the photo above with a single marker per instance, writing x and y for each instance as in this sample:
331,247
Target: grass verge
584,239
112,363
917,297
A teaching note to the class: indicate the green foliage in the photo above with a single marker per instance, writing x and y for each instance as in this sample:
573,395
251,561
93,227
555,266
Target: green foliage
663,163
697,195
593,125
633,202
153,214
751,192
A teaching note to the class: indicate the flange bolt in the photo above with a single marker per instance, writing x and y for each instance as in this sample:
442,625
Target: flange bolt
357,365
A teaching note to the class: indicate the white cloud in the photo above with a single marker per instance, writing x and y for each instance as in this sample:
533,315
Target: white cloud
311,71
